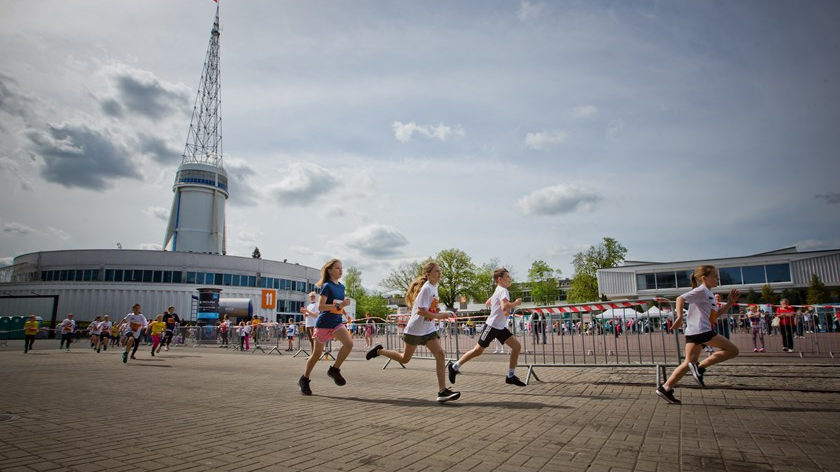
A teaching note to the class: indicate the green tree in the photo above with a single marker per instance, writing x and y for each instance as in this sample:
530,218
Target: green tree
792,295
543,281
458,276
768,295
376,305
256,254
753,297
400,278
353,284
584,286
817,291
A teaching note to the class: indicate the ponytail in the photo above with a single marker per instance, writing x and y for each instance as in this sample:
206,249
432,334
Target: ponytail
699,273
417,284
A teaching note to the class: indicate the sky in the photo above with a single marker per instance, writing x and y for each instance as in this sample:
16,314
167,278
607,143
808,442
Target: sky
382,132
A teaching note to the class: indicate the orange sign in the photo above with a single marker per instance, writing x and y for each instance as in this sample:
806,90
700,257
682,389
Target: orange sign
269,298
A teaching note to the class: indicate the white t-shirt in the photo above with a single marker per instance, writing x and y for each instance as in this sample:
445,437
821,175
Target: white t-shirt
498,318
428,299
290,330
105,327
311,320
95,328
68,325
136,320
701,303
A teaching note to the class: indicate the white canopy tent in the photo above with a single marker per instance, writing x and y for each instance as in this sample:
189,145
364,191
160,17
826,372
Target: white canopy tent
621,313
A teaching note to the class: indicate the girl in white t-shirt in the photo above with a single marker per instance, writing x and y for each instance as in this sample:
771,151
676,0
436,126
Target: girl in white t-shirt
95,330
702,312
422,296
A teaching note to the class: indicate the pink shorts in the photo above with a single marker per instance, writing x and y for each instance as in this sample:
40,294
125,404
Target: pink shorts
325,334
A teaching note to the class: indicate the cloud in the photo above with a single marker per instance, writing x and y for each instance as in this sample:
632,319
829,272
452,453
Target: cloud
405,132
76,155
17,228
158,149
149,246
302,184
141,92
614,127
240,175
333,211
8,166
530,11
158,212
544,140
830,198
585,111
557,200
59,233
376,241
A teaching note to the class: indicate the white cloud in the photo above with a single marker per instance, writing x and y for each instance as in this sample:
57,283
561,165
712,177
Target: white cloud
530,11
585,111
158,212
13,227
830,198
376,240
405,132
333,211
544,140
59,233
302,184
557,200
614,127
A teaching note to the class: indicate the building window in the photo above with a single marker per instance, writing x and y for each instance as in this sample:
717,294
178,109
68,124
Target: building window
646,281
666,280
778,273
684,278
754,274
730,275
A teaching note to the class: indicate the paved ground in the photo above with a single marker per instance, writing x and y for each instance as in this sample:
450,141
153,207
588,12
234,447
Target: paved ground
203,408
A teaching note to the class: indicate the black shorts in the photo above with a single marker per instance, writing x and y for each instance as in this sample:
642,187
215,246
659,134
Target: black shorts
489,334
700,338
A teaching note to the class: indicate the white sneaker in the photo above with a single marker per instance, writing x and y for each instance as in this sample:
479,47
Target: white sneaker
166,347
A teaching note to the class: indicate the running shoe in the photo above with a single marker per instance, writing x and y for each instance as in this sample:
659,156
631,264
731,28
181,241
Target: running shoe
335,374
761,350
452,372
373,352
445,395
755,350
514,380
153,353
697,372
303,384
667,395
125,357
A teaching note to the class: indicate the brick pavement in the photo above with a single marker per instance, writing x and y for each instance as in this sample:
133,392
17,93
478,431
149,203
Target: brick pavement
204,408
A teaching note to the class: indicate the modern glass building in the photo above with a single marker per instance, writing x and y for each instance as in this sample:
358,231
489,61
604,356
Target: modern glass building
96,282
782,269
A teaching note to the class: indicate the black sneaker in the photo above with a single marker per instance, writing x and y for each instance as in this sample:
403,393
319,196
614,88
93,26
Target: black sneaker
153,353
514,381
697,372
125,357
667,395
445,395
452,372
335,374
303,384
373,352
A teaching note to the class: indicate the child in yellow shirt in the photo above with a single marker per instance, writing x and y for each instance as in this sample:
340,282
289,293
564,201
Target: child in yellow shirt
30,330
156,328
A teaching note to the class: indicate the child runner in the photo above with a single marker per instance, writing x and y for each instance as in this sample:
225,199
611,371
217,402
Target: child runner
422,297
496,328
66,328
755,327
172,320
105,337
329,325
290,334
134,322
30,330
698,330
95,329
156,329
310,314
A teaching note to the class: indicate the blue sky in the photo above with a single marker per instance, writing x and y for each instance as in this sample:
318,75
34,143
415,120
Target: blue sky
383,132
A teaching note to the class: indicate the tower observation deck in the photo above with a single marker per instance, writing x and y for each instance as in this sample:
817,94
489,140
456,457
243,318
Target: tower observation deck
197,218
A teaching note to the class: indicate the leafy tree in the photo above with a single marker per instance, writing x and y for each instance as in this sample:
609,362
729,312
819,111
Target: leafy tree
543,282
793,296
584,286
768,295
374,304
458,276
256,254
400,278
817,291
483,283
353,283
753,297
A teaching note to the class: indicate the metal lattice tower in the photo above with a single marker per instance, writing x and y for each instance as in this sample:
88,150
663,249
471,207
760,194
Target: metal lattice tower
197,219
204,141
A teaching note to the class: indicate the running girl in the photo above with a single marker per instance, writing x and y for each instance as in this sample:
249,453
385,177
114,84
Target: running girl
134,323
698,330
156,329
329,325
95,330
421,330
